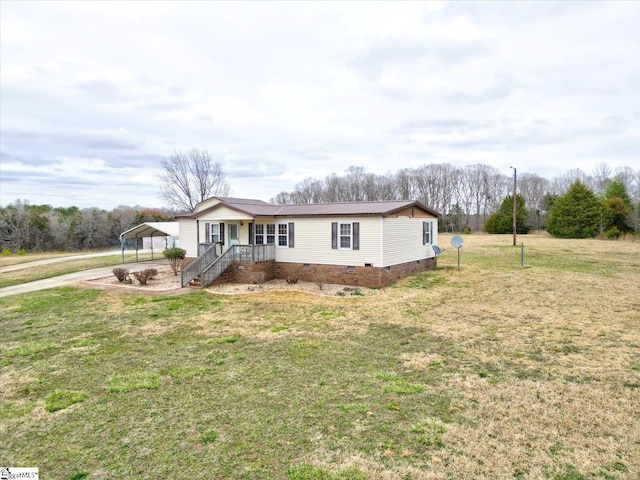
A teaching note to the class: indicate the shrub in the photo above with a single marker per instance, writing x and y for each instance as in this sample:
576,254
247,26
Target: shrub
144,276
576,214
6,252
21,252
467,231
613,233
120,273
153,273
175,257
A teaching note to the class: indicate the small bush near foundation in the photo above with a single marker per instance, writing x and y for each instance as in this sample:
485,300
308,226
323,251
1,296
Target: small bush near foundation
294,276
120,273
144,276
175,257
153,273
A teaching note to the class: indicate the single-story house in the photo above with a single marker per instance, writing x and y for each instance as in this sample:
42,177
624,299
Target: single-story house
355,243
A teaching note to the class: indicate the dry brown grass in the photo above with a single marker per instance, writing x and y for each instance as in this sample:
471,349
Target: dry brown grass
525,373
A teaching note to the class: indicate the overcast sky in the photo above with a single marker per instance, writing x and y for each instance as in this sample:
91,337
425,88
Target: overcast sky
95,94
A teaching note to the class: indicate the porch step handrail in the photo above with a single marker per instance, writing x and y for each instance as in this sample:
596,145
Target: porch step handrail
219,265
195,268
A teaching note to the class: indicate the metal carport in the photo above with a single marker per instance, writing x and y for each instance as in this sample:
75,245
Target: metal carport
150,230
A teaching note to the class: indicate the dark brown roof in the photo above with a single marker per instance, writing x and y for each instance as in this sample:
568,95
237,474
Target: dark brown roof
258,208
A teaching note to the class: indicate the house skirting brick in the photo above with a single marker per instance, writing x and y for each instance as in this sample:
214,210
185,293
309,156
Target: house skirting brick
355,275
249,272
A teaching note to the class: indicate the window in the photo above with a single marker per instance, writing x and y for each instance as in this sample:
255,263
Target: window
427,233
345,235
265,234
259,235
212,232
271,233
283,235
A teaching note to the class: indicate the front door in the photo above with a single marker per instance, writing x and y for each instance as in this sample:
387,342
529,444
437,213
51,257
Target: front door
234,234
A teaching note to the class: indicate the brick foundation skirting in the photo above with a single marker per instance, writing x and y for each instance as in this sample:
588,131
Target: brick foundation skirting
248,272
353,275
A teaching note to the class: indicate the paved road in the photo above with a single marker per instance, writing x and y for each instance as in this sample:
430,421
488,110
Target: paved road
71,278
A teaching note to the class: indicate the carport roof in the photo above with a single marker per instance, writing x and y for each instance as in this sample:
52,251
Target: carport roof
153,229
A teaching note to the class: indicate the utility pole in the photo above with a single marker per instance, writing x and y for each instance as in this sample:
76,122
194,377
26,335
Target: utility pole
514,206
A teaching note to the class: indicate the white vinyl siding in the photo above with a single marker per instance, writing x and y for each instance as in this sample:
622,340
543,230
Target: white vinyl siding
188,236
403,240
224,214
313,242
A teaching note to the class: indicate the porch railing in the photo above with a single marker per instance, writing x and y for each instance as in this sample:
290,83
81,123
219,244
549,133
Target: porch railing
210,265
196,267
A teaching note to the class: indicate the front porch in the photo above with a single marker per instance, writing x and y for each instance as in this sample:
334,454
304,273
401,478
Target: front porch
212,262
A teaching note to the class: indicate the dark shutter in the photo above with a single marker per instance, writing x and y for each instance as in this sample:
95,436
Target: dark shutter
222,233
251,233
207,233
356,235
291,236
424,233
334,235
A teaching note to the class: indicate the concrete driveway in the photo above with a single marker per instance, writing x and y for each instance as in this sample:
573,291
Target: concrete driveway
71,278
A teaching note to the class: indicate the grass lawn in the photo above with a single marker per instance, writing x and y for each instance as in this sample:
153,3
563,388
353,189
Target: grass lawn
492,371
40,272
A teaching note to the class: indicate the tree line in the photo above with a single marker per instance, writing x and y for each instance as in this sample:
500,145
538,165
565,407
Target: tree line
464,196
474,198
37,228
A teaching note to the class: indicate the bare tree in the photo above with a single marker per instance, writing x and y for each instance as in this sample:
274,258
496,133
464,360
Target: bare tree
601,178
189,178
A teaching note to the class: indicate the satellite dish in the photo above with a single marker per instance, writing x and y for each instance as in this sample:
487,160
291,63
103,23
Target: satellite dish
457,241
436,249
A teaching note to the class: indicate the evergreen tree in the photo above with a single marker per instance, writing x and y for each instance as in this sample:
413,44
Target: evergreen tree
502,220
576,214
617,209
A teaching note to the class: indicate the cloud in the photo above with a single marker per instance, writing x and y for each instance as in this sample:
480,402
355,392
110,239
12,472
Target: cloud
96,94
498,90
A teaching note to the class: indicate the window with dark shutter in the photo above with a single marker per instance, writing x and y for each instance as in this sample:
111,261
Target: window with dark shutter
222,233
356,235
207,232
334,235
291,235
251,233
